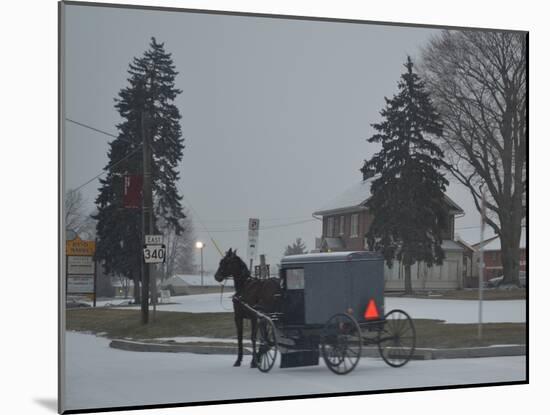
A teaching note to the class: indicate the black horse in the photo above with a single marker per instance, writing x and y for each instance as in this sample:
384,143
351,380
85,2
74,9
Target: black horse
261,294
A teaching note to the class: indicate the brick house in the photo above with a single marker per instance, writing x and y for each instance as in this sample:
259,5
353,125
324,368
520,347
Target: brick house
346,220
492,257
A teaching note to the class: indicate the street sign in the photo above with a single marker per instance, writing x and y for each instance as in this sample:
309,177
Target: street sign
80,284
154,254
261,271
153,239
253,238
79,247
80,265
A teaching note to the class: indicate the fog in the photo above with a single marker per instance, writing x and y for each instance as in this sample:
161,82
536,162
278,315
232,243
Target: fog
275,113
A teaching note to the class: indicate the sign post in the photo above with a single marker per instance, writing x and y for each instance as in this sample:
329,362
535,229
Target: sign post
154,252
253,239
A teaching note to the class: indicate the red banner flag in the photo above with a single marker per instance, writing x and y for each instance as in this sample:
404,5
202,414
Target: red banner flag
133,186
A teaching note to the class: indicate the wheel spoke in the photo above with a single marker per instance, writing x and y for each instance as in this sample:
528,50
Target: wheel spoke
396,341
268,346
341,343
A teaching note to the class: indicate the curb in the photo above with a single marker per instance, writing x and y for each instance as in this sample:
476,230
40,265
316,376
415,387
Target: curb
419,354
135,346
458,353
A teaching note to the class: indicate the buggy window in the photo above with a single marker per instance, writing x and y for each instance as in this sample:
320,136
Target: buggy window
295,279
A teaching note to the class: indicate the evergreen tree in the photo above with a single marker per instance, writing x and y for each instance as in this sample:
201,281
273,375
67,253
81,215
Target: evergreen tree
298,247
147,103
408,192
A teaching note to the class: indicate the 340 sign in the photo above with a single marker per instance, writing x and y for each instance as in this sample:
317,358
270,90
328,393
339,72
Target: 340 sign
154,254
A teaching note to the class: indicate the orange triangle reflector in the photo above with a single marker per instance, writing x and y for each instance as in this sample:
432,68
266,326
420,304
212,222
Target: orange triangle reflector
371,313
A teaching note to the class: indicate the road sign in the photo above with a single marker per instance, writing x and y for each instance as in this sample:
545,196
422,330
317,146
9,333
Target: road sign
153,239
80,284
253,224
253,238
154,254
80,265
79,247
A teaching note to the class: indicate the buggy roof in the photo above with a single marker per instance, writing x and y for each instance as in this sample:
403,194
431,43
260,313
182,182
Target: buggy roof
331,257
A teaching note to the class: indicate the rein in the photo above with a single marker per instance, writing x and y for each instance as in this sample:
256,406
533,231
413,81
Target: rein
221,294
247,276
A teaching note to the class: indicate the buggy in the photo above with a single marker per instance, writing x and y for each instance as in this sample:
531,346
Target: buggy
332,305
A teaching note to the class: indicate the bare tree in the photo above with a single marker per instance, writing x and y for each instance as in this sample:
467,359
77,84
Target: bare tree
478,83
76,218
179,248
74,210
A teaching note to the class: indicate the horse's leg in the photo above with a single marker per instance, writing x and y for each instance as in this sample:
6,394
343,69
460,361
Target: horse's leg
239,325
253,327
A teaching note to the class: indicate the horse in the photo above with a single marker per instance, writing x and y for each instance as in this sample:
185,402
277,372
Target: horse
261,294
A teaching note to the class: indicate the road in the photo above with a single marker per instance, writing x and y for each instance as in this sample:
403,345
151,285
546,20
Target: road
98,376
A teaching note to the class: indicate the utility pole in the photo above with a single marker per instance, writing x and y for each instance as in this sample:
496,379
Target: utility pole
481,267
202,269
147,211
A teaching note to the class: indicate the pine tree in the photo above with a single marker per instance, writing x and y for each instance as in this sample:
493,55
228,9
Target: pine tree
150,94
408,192
298,247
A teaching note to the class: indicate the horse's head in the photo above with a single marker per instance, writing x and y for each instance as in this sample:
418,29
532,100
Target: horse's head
230,266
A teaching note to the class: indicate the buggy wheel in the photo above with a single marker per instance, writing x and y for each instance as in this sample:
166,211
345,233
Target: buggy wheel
267,345
397,339
341,343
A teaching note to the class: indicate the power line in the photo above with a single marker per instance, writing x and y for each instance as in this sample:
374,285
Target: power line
264,227
107,168
241,220
110,166
97,130
202,224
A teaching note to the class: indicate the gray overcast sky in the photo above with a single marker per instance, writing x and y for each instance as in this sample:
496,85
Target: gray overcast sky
275,112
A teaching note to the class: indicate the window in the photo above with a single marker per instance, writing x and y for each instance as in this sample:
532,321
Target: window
330,226
354,228
295,279
342,223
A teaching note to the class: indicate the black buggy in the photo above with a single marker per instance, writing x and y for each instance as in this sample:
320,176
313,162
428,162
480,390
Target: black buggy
332,304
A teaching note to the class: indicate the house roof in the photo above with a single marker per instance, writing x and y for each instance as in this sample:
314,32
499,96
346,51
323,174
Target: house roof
493,244
355,197
448,245
464,244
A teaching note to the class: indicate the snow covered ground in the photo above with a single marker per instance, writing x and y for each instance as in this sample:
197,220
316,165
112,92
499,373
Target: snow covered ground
98,376
452,311
461,311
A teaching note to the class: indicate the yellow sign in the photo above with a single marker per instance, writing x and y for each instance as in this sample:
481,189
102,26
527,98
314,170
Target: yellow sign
79,247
